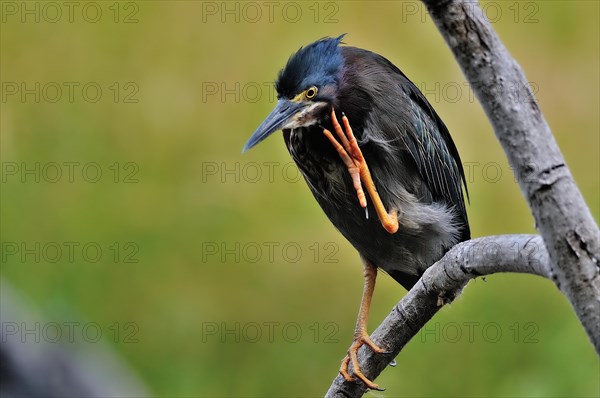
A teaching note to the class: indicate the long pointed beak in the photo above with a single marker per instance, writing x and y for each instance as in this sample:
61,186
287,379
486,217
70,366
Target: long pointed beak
277,119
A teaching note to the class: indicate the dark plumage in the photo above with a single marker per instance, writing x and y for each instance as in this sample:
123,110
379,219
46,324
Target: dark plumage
413,161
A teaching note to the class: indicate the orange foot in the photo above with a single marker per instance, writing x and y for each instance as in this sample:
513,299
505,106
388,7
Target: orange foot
362,339
353,158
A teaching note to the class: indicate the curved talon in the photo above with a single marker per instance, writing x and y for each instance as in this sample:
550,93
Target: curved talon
353,168
344,369
352,156
353,356
391,223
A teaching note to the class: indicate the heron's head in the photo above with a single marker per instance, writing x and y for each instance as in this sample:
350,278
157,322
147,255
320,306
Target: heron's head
306,89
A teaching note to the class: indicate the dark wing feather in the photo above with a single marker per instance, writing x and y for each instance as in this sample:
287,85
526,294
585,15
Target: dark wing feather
435,153
408,118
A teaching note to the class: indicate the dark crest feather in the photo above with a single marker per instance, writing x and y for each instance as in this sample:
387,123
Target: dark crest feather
317,64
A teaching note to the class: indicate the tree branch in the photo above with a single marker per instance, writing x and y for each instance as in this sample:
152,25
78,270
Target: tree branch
568,230
561,215
440,284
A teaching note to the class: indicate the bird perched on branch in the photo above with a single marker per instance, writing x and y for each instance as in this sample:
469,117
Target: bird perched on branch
388,176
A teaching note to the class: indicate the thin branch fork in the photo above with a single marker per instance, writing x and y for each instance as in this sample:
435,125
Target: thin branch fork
568,250
561,215
439,285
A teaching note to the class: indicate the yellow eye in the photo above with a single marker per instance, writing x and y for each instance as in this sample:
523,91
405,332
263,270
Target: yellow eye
311,92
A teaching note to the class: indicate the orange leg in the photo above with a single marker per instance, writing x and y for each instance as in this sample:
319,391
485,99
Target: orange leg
359,171
361,337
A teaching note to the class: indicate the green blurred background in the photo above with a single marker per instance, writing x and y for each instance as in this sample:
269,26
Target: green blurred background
234,280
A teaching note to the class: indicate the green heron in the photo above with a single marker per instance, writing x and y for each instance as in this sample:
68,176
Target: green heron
391,143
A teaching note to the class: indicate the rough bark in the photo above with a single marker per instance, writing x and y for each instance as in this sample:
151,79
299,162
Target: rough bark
568,251
440,284
561,215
